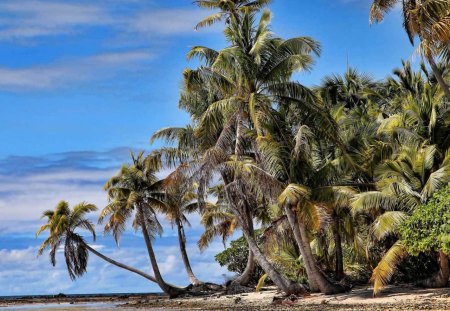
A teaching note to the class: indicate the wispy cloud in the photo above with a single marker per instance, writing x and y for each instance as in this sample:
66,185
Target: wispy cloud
29,185
27,19
139,26
166,21
81,69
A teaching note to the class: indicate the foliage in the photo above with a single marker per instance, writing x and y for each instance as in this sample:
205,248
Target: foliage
62,224
235,257
428,228
351,174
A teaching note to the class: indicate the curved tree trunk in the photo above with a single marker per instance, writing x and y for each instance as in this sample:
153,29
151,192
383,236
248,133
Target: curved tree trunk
187,265
120,265
238,205
292,218
168,289
246,276
338,254
325,286
280,281
438,74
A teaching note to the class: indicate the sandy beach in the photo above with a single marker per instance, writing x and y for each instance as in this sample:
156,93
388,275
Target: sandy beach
360,298
393,298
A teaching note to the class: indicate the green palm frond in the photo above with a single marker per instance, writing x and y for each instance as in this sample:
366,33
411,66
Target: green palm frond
387,223
373,201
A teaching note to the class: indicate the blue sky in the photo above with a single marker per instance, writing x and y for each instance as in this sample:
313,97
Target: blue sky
83,82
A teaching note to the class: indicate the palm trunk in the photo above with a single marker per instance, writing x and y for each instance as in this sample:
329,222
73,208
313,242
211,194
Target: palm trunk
168,289
438,74
242,215
280,281
325,286
444,272
187,265
246,276
120,265
292,218
441,278
338,254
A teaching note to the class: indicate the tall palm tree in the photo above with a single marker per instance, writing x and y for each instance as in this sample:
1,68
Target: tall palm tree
250,75
135,192
62,224
179,200
426,20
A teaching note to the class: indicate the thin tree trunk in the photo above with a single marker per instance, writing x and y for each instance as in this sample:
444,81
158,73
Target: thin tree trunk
187,265
170,290
120,265
298,238
338,254
438,74
325,286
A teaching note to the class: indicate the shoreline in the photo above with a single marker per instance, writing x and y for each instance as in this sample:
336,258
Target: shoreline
404,297
78,299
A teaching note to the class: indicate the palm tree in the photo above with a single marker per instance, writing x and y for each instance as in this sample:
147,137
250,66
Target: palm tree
353,89
228,9
420,109
428,21
220,221
135,191
404,181
245,80
62,224
179,200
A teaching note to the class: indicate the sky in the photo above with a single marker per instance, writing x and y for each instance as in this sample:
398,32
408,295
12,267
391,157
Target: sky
82,83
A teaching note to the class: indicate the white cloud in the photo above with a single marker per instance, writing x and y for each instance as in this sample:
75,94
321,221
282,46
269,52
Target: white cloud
167,21
26,198
26,19
38,186
75,70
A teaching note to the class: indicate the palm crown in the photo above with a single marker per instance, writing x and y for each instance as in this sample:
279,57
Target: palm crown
62,224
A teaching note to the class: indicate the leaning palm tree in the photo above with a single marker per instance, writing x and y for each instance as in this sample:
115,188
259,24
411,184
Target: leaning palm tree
427,20
135,193
180,200
62,224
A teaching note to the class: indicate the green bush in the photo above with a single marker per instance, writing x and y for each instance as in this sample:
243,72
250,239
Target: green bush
235,258
428,228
